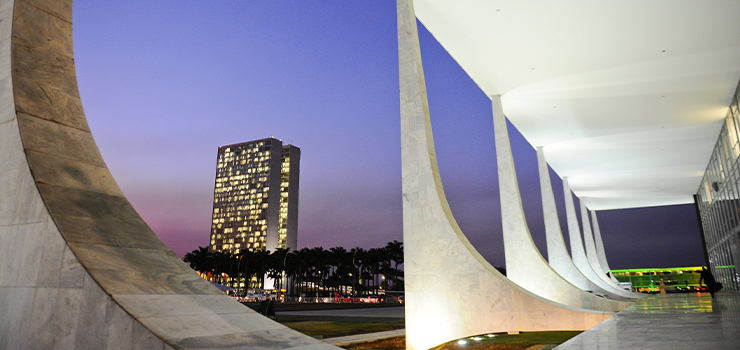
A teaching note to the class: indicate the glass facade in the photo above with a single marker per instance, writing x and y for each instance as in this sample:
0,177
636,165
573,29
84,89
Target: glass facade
286,210
251,181
718,202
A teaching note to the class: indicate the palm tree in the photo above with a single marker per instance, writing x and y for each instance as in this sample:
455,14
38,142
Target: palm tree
358,259
200,260
291,265
372,265
276,266
261,265
225,265
249,264
303,267
319,267
326,270
395,253
340,261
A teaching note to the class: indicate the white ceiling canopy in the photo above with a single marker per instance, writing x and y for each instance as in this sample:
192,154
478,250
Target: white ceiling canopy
627,97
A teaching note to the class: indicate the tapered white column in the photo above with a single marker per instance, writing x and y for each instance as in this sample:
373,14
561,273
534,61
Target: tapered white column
79,268
600,247
525,265
577,250
588,240
451,290
557,253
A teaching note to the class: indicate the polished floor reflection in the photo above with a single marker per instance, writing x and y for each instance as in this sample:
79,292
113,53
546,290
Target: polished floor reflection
673,321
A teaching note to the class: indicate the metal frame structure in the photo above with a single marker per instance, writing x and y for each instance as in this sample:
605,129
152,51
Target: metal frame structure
718,202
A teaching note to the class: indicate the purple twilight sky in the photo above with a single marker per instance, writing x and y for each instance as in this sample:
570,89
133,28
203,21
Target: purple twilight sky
164,83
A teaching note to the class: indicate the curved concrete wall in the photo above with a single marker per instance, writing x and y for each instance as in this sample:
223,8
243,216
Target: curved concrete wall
451,291
79,269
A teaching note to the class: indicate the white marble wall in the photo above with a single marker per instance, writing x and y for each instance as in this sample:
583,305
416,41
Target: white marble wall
451,291
79,269
47,299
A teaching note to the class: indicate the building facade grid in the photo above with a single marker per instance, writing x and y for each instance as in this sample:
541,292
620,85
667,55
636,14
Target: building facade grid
252,180
718,202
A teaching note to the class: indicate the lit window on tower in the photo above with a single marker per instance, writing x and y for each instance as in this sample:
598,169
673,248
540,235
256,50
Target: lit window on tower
246,215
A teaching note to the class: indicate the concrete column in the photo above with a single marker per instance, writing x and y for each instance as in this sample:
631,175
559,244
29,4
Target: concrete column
79,268
451,290
525,265
579,253
600,247
557,253
588,240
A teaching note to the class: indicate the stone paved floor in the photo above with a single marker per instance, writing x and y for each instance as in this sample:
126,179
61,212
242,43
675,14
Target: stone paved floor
673,321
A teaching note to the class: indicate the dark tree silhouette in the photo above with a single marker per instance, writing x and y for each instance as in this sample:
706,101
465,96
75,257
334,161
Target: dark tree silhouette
309,270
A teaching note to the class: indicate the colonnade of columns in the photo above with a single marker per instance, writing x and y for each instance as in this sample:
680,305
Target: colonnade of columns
447,279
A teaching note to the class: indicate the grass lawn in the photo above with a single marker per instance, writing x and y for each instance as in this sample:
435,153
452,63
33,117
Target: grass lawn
330,329
395,343
496,342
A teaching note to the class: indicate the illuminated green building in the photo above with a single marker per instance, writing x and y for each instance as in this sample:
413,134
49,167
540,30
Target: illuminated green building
676,279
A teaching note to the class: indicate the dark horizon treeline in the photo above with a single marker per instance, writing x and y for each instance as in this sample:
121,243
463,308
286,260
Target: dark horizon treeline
332,270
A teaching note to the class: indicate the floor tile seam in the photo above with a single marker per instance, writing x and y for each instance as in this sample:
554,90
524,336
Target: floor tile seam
8,121
27,147
198,314
241,332
174,286
139,264
39,287
201,314
32,79
48,99
119,246
113,218
100,165
24,223
171,294
41,119
684,326
43,51
50,13
127,245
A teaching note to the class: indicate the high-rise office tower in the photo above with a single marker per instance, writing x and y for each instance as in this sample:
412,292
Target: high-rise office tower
255,202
